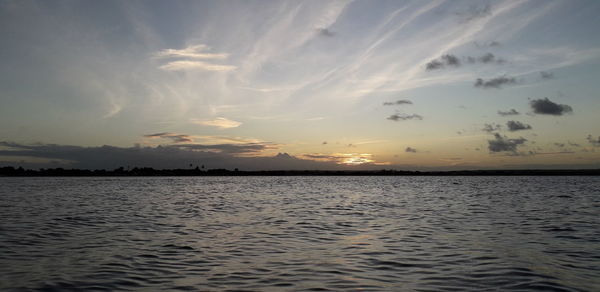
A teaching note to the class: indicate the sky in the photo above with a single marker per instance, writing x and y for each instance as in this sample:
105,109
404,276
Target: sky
415,85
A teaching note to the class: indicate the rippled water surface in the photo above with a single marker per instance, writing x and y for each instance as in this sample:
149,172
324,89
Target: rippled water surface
300,234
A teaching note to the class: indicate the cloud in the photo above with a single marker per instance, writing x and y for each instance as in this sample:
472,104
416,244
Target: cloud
176,138
403,117
230,156
188,59
410,150
488,44
491,127
184,65
495,82
547,75
511,112
247,148
398,102
192,52
222,123
546,107
504,144
454,61
474,12
593,141
451,60
325,32
343,158
433,65
324,143
517,126
490,58
445,60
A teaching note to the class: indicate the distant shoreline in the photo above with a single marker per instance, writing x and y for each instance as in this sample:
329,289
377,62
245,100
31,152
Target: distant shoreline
60,172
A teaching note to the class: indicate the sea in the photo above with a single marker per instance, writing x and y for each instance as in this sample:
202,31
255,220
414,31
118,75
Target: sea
313,233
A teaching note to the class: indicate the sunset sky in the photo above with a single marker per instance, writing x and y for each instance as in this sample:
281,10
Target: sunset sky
300,84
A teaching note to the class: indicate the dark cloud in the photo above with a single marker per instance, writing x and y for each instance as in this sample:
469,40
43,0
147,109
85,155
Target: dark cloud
325,32
454,61
433,65
323,156
451,60
547,75
511,112
595,142
226,156
445,60
517,126
403,117
410,150
504,144
176,138
495,82
544,106
247,148
491,127
494,44
398,102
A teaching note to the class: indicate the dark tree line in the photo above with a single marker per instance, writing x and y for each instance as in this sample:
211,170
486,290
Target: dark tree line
148,171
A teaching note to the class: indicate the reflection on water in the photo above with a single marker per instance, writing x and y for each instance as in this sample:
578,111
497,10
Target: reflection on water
300,233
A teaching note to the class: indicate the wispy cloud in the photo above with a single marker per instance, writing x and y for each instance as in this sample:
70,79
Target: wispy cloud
343,158
410,150
177,138
511,112
474,12
187,59
398,102
220,122
183,65
488,58
192,52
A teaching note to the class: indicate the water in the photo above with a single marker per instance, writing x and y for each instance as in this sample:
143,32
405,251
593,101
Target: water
300,234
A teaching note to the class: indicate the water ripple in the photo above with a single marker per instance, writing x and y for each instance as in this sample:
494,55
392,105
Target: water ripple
300,234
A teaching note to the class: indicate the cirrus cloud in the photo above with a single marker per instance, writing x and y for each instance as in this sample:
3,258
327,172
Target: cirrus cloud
187,59
184,65
222,123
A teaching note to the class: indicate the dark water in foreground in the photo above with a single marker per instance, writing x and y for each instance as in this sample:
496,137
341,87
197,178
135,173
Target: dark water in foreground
300,234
